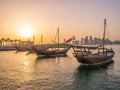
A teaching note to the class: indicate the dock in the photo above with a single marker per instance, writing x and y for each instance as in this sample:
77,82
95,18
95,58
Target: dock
7,48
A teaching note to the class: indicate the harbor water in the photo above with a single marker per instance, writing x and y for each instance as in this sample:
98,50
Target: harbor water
22,71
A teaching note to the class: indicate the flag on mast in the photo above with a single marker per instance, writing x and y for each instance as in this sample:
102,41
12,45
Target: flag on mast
70,39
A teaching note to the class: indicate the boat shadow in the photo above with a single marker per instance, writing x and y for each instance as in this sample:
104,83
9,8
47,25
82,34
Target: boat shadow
91,79
96,66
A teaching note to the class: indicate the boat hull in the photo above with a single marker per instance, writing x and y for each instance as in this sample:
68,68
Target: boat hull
55,55
51,53
21,48
93,60
96,65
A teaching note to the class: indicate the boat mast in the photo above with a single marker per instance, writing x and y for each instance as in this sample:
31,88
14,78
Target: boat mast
41,40
33,39
104,35
58,38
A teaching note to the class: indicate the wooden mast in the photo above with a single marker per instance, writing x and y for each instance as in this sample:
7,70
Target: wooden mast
41,40
104,35
33,39
58,37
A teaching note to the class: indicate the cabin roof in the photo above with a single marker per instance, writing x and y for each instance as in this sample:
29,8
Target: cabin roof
85,46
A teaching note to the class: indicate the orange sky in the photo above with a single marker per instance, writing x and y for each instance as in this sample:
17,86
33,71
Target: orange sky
73,17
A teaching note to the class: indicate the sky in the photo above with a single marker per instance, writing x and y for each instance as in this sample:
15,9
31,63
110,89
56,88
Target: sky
73,17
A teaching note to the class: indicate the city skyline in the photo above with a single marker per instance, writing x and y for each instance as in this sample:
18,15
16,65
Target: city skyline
79,17
91,40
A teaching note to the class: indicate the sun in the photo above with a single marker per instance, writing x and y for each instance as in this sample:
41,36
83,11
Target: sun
26,32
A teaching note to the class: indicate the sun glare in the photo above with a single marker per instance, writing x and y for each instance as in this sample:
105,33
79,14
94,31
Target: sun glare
26,32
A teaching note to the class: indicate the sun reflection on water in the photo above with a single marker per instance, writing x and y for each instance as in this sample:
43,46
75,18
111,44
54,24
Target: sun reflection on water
27,68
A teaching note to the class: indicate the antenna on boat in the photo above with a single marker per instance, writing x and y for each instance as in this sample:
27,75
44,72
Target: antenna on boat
104,34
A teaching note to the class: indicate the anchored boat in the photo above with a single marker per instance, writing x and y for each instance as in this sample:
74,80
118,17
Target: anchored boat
94,55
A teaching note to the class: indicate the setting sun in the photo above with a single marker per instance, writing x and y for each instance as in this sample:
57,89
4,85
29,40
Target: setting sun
26,32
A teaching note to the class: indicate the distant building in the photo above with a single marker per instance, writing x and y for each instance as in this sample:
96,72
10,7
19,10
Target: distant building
75,42
86,40
82,41
107,41
94,41
91,40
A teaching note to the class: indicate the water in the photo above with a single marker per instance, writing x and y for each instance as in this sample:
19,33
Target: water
19,71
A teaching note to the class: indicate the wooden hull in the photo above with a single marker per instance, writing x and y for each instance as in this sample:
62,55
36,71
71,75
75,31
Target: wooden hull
51,53
94,59
20,48
97,65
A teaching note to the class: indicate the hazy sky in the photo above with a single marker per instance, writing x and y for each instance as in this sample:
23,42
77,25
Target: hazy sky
73,17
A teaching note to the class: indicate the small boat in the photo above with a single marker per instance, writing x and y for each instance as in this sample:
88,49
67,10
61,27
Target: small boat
26,46
52,50
23,48
94,55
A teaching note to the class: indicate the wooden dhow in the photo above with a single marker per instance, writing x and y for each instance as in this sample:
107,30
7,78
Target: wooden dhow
52,50
94,55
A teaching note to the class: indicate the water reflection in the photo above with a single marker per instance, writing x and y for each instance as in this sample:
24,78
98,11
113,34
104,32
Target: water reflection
47,57
89,79
28,65
27,72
